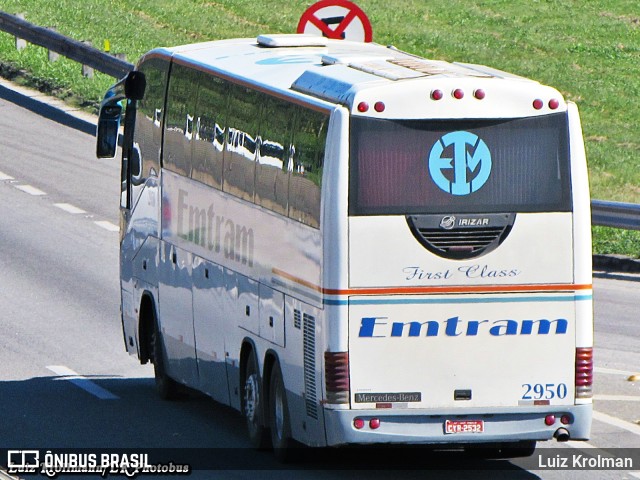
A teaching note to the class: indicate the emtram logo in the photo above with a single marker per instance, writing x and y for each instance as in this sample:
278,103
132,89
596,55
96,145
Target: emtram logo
460,163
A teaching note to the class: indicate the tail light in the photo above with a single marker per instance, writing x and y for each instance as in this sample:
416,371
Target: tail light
584,372
337,376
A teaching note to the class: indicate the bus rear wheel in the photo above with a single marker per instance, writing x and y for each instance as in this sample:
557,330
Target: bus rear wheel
279,422
252,408
166,387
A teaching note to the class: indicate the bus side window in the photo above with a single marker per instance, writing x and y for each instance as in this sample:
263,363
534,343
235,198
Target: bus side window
272,177
209,131
179,123
145,149
242,142
307,156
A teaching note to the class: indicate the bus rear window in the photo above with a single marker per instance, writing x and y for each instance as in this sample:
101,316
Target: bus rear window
459,166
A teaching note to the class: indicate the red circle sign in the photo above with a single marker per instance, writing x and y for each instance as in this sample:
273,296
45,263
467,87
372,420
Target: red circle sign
336,19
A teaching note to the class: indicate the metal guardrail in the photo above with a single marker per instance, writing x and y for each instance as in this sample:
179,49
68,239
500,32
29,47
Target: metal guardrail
603,213
615,214
68,47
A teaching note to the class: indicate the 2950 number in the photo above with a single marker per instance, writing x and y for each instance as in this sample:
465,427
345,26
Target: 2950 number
547,391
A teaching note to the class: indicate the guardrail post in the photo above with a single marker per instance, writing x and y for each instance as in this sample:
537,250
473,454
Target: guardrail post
87,71
21,44
53,56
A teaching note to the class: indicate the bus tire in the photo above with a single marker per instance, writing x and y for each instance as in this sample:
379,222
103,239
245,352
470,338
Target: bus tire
279,420
252,408
166,386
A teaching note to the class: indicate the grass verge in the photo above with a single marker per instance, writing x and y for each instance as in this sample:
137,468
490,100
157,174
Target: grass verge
588,50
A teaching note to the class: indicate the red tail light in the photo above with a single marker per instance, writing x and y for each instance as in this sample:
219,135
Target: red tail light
363,107
437,94
584,372
379,107
337,376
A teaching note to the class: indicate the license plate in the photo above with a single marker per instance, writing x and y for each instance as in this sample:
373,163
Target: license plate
463,426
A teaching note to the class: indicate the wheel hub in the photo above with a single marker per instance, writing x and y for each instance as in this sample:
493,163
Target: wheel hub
251,397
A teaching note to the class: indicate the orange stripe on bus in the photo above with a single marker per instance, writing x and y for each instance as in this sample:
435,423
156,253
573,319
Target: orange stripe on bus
297,280
457,289
439,289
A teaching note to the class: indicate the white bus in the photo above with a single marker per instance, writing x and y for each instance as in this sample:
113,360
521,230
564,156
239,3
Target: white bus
355,245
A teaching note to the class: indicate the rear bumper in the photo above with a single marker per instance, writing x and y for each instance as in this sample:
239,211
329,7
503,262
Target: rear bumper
427,426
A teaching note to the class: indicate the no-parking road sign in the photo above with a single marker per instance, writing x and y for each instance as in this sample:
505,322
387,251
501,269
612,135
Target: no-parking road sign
336,19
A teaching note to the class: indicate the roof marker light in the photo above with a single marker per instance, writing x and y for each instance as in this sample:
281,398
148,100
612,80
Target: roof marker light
379,107
363,107
554,103
538,104
437,94
479,94
458,94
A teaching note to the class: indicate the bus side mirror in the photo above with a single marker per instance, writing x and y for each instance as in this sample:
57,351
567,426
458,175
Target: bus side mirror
134,85
108,128
131,87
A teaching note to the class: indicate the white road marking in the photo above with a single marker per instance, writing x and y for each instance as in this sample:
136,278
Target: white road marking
5,476
617,398
616,422
67,207
82,382
580,445
613,371
30,190
108,226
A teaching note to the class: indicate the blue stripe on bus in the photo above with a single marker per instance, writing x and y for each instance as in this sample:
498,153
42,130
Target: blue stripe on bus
432,301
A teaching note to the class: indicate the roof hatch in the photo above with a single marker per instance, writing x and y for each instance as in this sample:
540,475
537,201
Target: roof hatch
291,40
401,66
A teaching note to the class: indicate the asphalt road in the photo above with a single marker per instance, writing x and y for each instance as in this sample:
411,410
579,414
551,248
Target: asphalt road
66,381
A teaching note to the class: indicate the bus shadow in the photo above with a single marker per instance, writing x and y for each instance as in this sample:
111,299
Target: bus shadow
51,413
